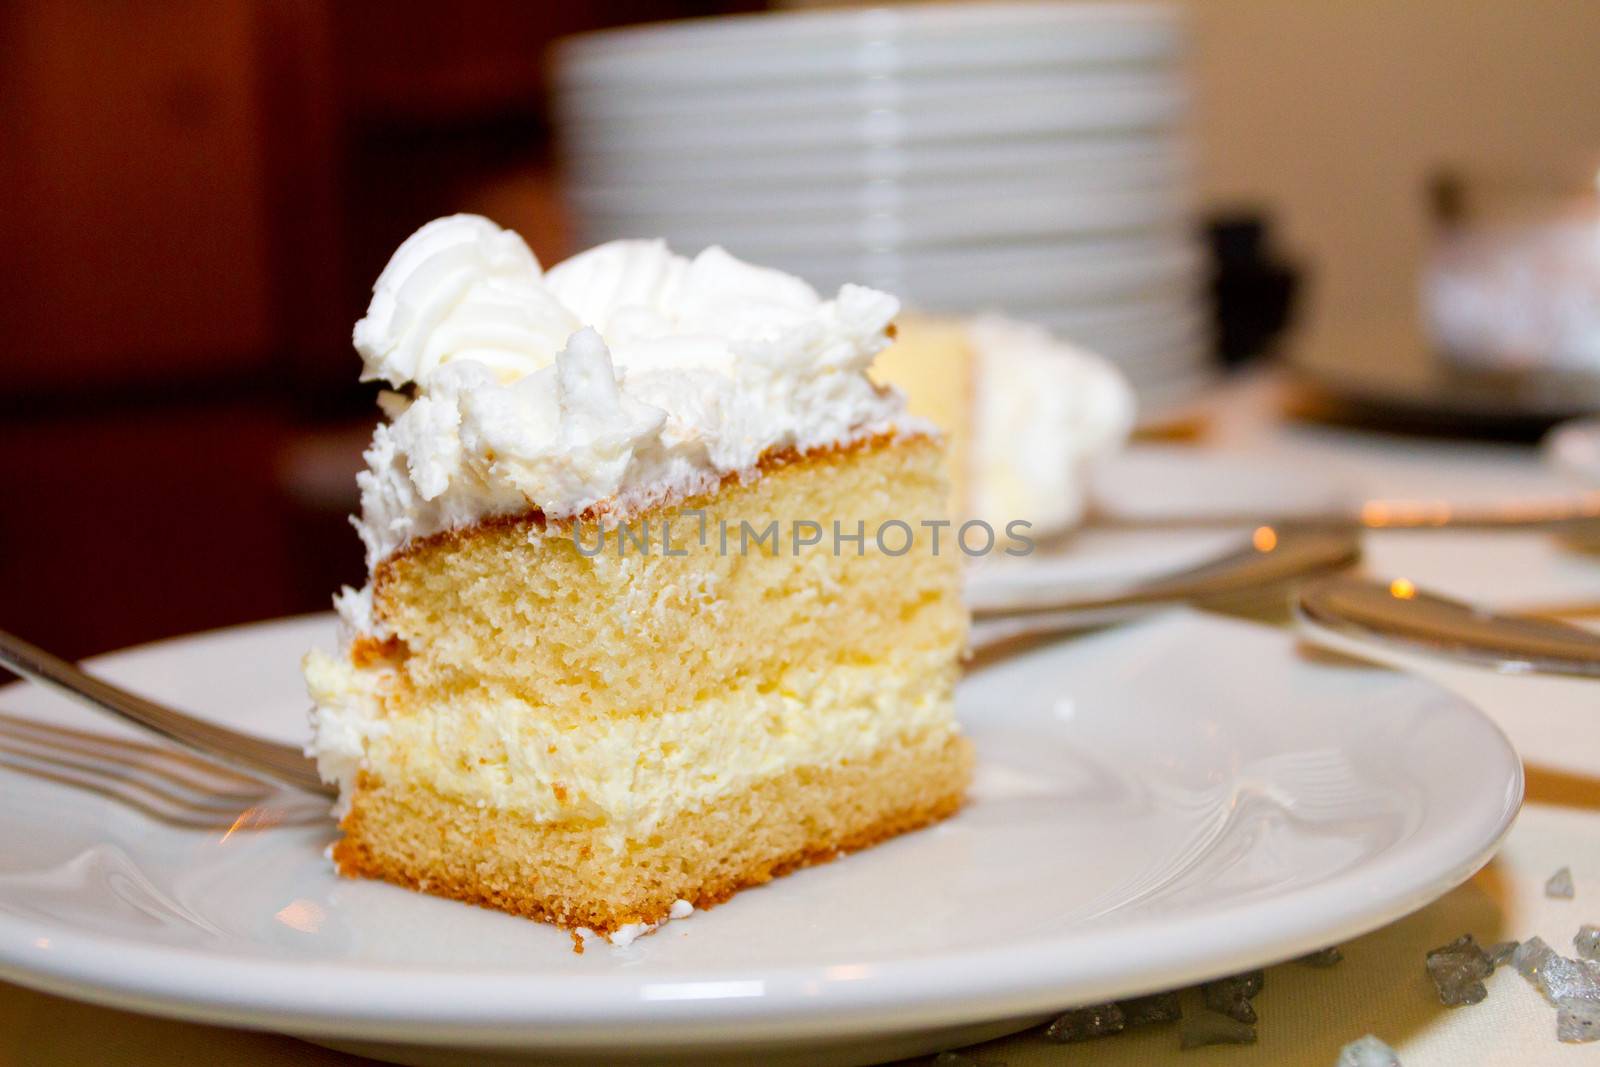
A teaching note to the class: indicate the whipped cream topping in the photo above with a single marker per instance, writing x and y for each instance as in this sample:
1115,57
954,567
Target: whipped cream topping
1044,411
622,376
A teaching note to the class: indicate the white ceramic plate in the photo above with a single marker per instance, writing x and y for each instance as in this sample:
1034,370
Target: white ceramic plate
780,100
762,239
843,44
1063,286
1052,275
1115,108
634,193
855,163
1057,272
1154,321
1093,563
1144,367
1056,275
1155,805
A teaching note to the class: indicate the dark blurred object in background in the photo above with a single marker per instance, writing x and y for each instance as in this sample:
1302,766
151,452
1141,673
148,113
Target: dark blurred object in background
1446,192
197,197
1253,289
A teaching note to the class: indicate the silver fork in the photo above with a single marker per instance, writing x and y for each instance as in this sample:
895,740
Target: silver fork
253,756
159,781
1247,581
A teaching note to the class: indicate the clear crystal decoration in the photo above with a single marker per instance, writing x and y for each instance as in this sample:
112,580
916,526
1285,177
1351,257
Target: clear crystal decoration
1587,942
1367,1051
1232,996
1086,1024
1571,985
1560,885
955,1059
1529,959
1147,1011
1567,981
1458,970
1500,952
1214,1028
1578,1023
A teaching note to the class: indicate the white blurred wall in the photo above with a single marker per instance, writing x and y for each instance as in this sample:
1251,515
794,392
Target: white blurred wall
1333,112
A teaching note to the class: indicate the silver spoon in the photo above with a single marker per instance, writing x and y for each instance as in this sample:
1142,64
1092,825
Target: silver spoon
254,756
1398,614
1235,574
1265,568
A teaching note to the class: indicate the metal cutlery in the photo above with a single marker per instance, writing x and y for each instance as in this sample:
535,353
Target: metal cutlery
1258,573
1396,614
254,756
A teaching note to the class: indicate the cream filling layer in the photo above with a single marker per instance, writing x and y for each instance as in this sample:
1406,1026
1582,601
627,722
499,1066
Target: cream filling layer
630,772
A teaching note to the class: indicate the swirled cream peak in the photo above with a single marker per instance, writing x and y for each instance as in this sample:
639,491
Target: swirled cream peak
460,288
624,375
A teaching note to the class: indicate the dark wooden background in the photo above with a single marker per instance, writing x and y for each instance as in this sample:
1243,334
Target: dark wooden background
195,197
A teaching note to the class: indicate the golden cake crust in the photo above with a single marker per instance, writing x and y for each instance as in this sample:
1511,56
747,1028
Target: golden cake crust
564,874
535,518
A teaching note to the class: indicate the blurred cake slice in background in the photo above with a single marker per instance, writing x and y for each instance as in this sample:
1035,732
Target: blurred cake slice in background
1026,414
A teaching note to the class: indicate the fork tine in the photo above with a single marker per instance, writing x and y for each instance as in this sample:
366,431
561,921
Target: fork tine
253,756
176,767
128,775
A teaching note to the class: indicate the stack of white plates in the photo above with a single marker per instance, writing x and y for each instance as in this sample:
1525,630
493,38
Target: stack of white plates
1027,158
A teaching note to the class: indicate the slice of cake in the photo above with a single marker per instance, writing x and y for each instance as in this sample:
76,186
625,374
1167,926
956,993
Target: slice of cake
1025,414
656,607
